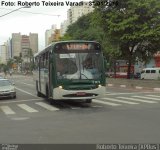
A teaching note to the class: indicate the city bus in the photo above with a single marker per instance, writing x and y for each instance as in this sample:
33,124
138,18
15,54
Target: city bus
70,70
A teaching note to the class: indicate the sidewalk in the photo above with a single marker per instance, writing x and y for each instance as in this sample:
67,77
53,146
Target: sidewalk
134,83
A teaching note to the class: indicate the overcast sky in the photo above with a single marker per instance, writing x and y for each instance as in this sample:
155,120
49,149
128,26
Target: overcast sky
25,23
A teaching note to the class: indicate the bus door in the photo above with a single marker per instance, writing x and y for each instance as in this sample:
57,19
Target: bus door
50,74
42,74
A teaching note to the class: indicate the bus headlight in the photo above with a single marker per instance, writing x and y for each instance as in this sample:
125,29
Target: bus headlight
61,87
99,85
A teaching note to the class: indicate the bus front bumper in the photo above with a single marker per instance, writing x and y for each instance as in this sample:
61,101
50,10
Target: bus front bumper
59,93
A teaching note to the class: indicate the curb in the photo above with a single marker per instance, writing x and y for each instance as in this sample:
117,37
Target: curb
135,87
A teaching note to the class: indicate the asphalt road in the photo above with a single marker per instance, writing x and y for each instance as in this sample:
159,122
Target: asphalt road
122,116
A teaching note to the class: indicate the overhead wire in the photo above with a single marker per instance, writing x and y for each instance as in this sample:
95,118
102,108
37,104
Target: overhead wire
25,12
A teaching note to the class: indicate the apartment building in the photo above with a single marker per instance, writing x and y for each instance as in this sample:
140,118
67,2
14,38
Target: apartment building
3,54
49,33
21,43
74,13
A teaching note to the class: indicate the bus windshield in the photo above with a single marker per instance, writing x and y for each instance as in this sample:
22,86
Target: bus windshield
79,65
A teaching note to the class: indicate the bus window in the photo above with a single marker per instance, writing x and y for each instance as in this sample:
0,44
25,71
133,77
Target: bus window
65,64
147,71
153,71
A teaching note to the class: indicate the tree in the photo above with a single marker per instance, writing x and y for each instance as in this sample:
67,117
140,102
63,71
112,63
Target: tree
134,26
10,63
29,54
88,28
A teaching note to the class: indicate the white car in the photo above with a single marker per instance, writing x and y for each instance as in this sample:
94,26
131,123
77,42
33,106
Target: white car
7,89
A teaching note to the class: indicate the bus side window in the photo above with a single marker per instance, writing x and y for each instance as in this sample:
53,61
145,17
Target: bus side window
153,71
147,71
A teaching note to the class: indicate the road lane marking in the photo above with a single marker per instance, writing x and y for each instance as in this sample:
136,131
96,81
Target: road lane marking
121,101
27,84
96,106
106,103
27,108
25,92
150,98
7,110
128,93
19,101
154,96
139,100
47,106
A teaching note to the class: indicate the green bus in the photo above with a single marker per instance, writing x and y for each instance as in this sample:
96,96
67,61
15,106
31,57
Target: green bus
70,70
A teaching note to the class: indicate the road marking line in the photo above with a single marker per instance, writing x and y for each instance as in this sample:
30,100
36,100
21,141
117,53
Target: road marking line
25,92
96,106
127,93
27,84
19,101
121,101
153,95
27,108
139,100
150,98
75,107
48,107
106,103
124,86
7,110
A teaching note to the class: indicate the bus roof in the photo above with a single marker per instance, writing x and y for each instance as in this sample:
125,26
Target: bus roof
60,42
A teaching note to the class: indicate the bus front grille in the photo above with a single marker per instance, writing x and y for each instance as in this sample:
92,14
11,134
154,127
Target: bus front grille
80,95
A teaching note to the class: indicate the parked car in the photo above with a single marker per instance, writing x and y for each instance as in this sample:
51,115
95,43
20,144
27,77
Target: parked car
150,73
7,89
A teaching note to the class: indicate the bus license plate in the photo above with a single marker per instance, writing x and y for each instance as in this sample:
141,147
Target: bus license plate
81,93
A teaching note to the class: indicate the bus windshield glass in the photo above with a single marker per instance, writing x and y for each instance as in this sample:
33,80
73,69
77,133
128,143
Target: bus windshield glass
79,65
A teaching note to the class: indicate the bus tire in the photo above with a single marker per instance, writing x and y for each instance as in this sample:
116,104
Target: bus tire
88,100
47,93
51,101
38,93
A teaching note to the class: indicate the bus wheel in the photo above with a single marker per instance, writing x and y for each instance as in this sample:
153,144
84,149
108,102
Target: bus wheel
39,94
51,101
88,100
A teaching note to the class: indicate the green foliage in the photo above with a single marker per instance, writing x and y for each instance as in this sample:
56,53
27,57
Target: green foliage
133,23
130,30
135,26
10,62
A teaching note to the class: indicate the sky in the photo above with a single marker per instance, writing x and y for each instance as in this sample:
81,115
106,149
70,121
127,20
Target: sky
23,22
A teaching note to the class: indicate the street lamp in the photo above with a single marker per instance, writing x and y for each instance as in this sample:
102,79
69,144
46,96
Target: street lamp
14,10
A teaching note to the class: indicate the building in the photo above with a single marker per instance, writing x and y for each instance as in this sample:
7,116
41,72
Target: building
21,43
54,37
77,11
3,54
49,33
157,59
63,28
74,13
16,44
